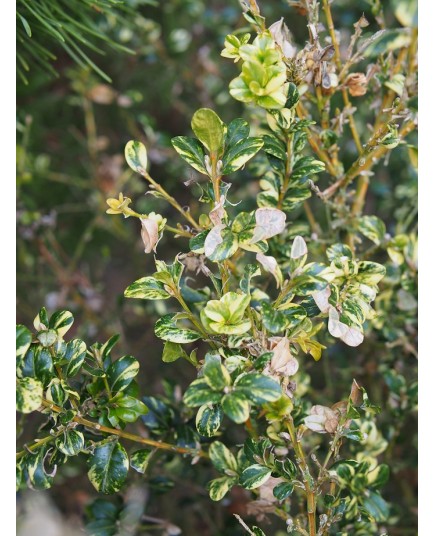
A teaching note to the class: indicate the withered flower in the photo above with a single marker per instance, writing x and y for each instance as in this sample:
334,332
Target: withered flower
356,83
322,420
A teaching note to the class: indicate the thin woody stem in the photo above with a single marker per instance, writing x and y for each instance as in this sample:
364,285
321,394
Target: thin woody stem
310,495
366,161
171,200
331,27
113,431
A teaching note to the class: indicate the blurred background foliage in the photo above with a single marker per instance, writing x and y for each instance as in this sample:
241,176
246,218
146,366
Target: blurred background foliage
90,76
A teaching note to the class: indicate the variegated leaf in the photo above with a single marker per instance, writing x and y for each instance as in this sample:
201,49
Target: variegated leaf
254,476
215,374
209,419
108,467
71,443
60,322
166,329
200,393
236,406
190,150
258,388
24,339
122,372
139,460
136,156
55,393
29,395
370,273
224,244
38,478
147,288
220,486
75,353
222,458
305,166
240,153
238,129
372,227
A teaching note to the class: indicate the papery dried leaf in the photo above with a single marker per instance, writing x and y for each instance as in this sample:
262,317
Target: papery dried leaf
282,361
280,31
217,213
349,335
149,234
269,263
299,248
321,299
269,222
266,490
213,239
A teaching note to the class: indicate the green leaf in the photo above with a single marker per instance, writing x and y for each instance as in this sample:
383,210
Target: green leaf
283,490
108,467
126,408
375,506
258,388
208,420
240,153
190,150
166,329
220,486
372,227
24,339
75,354
71,443
122,372
222,458
215,374
209,129
254,476
147,288
173,351
139,460
236,407
199,393
136,156
28,395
